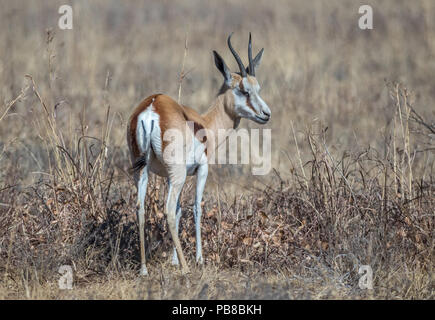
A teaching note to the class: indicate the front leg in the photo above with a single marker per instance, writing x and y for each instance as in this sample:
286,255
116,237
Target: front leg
201,178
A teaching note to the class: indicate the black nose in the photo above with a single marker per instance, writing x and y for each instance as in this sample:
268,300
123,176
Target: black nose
267,114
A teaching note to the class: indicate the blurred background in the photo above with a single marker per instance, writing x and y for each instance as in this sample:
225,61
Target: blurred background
319,69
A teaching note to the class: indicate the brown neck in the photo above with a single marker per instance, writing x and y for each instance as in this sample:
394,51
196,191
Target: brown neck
221,113
221,116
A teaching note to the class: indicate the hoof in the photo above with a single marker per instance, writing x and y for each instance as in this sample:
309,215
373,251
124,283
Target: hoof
143,271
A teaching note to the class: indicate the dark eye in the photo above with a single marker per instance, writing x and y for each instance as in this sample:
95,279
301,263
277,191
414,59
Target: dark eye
246,93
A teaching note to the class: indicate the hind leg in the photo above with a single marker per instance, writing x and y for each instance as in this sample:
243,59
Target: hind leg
176,182
141,191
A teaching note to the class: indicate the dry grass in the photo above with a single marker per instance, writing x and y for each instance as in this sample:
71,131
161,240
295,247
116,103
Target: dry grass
353,151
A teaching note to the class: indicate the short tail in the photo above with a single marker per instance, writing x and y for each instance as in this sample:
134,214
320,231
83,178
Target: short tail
145,136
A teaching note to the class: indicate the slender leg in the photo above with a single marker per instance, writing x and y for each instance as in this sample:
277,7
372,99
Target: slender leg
141,191
177,224
201,178
176,184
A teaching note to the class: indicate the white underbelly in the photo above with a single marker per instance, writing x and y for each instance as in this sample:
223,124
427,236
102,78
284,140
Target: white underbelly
156,165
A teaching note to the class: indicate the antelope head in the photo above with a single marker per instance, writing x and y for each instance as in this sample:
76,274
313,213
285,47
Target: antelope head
242,87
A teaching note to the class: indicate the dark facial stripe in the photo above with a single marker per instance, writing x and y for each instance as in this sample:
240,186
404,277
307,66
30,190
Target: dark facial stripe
248,102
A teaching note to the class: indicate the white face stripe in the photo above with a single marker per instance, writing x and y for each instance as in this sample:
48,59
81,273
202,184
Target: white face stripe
248,103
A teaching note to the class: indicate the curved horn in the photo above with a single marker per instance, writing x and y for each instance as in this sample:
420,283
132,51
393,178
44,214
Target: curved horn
236,56
251,64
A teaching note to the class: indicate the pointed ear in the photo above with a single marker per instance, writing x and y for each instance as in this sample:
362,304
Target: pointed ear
256,61
222,67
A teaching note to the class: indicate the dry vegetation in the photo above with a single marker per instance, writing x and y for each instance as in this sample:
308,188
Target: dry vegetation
353,150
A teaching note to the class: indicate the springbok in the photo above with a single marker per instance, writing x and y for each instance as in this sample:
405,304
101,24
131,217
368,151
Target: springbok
158,114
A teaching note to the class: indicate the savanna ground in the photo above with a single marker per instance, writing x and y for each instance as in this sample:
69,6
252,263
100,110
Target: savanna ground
352,150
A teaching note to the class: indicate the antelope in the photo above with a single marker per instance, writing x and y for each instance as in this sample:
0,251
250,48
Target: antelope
158,114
